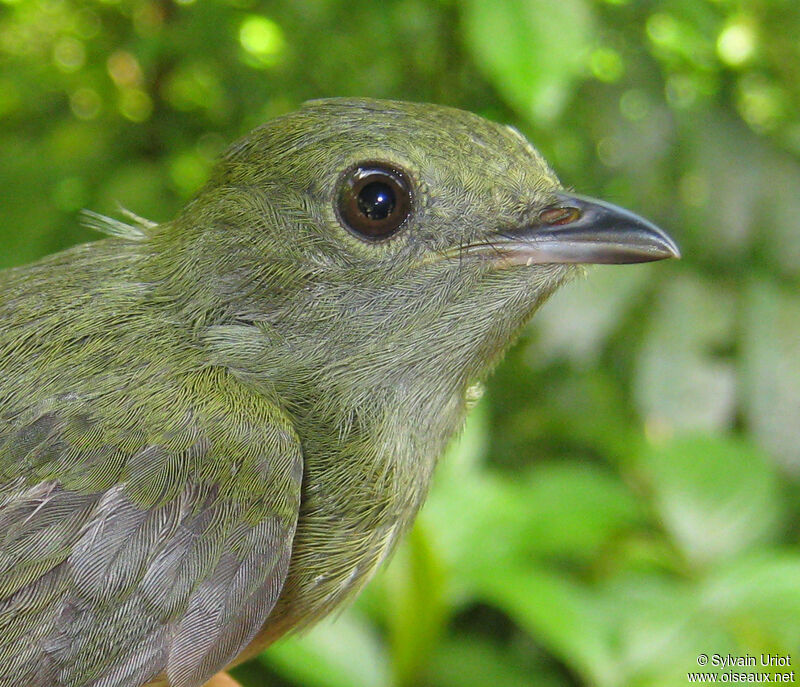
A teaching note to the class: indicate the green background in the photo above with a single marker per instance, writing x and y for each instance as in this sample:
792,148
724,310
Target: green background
625,496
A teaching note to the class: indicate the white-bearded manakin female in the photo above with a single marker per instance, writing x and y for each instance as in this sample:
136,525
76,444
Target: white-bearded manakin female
213,430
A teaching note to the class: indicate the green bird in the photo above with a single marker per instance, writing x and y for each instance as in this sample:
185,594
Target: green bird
213,430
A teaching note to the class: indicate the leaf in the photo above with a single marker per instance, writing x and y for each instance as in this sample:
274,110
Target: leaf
570,509
339,652
567,510
659,626
467,662
778,232
656,629
716,497
416,606
647,630
579,318
759,599
533,50
771,370
748,201
556,612
680,382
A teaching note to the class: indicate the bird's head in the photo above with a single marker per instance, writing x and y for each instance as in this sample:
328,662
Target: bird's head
404,237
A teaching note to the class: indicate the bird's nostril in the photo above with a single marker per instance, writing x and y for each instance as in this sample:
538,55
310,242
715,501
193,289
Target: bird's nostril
559,215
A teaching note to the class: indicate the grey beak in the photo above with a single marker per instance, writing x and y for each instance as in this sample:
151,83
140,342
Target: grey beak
576,229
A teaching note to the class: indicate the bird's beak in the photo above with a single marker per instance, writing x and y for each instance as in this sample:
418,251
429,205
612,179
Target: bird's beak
576,229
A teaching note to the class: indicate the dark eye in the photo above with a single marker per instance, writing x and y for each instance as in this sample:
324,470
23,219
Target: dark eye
374,200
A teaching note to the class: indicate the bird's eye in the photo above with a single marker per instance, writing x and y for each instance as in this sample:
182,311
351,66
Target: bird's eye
374,200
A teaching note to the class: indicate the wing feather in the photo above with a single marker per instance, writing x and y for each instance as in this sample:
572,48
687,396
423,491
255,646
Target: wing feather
171,566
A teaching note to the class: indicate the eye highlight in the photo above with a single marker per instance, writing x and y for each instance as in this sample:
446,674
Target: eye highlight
374,200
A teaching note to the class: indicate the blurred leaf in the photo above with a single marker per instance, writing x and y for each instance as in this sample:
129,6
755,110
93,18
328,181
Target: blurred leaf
567,510
680,382
415,600
140,188
544,412
558,613
741,193
771,370
570,509
465,517
578,320
533,50
716,497
777,231
660,625
339,652
759,599
462,662
656,630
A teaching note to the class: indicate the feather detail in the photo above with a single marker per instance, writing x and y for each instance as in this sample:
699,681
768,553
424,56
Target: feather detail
168,571
135,230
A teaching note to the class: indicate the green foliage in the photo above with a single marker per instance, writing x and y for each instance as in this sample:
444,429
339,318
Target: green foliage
625,496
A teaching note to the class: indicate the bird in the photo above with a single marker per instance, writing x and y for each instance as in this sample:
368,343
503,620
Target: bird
214,429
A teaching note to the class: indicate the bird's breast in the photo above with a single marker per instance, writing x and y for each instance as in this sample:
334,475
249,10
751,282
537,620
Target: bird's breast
361,492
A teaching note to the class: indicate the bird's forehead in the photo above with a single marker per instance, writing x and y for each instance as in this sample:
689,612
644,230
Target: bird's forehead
326,134
422,131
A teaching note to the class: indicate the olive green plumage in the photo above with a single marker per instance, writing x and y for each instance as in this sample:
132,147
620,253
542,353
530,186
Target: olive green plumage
217,427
